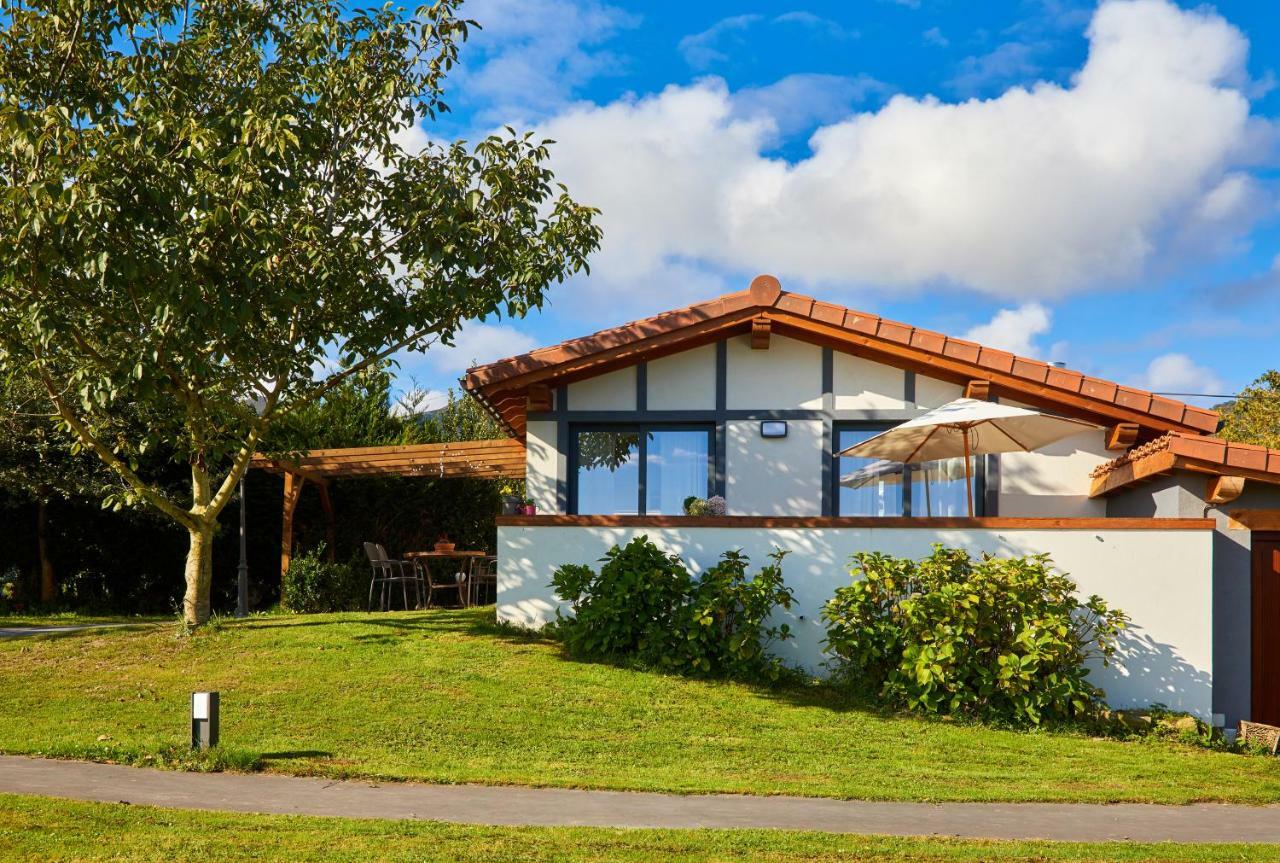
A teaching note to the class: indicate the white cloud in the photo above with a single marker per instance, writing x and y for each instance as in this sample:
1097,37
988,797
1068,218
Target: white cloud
475,343
529,56
934,36
714,45
798,102
1014,330
1034,194
1178,373
705,48
1009,61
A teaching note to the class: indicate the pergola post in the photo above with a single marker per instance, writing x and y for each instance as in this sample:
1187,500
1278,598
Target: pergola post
292,490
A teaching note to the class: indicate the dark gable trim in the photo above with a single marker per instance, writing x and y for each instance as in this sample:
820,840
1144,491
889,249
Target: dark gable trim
719,417
828,429
562,448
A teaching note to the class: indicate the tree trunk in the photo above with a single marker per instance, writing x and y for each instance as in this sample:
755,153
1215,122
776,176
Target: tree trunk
48,585
199,576
199,569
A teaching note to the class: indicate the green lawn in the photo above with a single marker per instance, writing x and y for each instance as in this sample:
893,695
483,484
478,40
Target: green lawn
447,696
45,830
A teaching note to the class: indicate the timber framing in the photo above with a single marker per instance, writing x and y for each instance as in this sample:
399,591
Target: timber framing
503,386
485,459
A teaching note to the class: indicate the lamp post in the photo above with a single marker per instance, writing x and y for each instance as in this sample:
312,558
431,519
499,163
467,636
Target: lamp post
242,571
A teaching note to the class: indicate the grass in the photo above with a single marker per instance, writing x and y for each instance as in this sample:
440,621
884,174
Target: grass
45,830
445,696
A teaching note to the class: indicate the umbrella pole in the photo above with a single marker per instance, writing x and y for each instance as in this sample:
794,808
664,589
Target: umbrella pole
968,483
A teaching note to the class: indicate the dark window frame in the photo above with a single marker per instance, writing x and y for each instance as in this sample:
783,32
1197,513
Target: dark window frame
979,468
642,428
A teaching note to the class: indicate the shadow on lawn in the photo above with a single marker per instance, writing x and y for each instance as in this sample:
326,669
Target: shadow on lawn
479,622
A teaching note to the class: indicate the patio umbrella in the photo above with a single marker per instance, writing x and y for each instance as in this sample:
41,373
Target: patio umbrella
967,427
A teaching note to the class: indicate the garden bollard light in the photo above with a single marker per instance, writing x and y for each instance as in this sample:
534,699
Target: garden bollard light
204,720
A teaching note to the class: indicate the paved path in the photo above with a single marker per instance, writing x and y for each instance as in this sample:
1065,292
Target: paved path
20,631
477,804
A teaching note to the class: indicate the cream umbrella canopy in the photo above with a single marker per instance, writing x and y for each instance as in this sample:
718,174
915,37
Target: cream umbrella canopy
967,427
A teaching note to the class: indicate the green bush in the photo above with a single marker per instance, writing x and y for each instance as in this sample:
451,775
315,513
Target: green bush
312,584
645,606
995,638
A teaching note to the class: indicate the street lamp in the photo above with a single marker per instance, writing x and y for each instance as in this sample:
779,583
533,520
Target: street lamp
242,571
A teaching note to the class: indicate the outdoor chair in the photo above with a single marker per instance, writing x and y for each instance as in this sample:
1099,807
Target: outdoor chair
386,573
484,580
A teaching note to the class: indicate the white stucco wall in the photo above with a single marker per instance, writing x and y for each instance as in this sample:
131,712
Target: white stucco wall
612,391
1161,578
773,476
540,464
787,375
1053,480
933,393
861,384
683,382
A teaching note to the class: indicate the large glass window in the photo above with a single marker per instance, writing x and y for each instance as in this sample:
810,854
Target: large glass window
640,470
867,486
937,488
608,472
871,487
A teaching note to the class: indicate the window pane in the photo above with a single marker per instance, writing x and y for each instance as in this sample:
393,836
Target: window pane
608,472
937,488
867,486
676,465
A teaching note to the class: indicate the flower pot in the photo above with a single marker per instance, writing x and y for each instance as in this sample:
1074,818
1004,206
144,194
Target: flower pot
528,509
444,547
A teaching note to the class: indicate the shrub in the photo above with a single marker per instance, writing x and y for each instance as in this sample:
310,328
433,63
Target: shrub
995,638
644,605
312,584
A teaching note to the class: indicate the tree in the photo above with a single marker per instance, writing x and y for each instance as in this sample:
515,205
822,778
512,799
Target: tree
1254,417
204,204
36,466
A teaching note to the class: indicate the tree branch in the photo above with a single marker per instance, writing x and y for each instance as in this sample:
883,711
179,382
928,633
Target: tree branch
104,452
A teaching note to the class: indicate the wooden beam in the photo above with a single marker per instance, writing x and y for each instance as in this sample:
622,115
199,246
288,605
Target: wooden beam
539,398
1133,471
1223,489
980,390
760,329
292,490
1122,435
1254,519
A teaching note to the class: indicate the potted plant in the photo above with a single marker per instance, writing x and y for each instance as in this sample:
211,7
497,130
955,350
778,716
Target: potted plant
527,507
444,544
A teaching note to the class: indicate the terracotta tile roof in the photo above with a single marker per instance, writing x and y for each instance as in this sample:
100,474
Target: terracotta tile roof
828,323
1203,452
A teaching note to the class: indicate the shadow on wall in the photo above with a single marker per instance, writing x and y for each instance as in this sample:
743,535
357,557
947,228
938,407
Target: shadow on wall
1156,668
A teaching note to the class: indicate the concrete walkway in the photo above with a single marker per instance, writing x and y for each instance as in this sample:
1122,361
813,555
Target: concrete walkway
476,804
22,631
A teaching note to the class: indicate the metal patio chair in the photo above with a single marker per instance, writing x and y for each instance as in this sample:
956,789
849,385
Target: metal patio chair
387,572
484,579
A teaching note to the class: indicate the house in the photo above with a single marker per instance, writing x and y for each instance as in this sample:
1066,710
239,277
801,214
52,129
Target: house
752,395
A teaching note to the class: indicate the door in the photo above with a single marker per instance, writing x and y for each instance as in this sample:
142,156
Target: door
1266,628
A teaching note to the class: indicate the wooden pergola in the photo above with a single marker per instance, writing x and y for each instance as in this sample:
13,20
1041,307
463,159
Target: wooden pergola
483,459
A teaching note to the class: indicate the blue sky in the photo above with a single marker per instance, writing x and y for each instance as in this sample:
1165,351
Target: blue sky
1093,184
